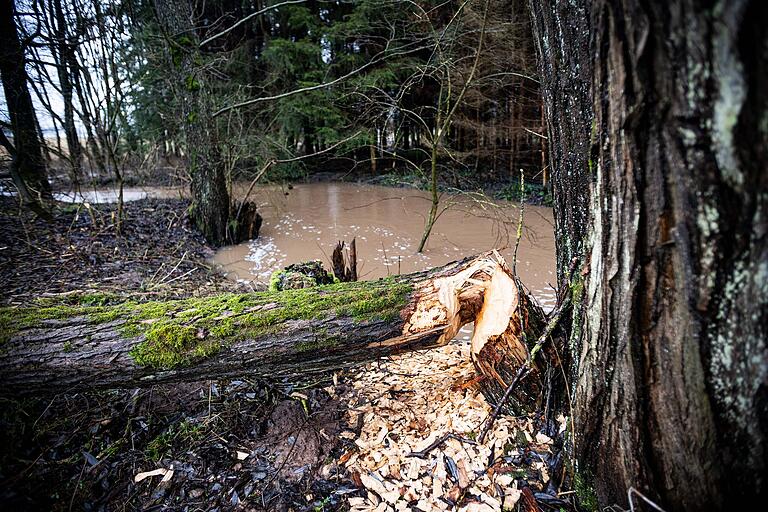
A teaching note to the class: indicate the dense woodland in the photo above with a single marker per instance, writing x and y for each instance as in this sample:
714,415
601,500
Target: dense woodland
236,88
644,124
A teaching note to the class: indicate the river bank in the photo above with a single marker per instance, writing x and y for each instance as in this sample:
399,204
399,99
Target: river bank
157,254
305,221
300,222
501,187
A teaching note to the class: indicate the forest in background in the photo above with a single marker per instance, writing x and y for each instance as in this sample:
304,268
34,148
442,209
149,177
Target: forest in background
358,87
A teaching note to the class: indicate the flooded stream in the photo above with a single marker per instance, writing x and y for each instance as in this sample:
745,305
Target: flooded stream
107,195
306,221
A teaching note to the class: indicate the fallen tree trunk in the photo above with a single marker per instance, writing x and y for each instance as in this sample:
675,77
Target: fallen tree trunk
269,334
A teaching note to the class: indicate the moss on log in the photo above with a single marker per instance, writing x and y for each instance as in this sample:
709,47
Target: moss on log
91,342
177,333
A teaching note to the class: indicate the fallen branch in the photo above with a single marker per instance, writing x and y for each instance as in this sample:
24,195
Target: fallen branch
521,373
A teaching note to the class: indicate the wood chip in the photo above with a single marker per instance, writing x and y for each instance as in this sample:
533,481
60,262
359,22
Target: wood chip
155,472
428,406
373,484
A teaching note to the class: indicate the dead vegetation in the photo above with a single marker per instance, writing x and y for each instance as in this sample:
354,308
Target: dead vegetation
158,254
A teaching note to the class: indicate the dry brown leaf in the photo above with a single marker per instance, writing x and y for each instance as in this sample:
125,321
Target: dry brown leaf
463,477
355,476
346,456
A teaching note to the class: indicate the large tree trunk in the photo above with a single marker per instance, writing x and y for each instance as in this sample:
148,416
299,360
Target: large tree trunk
657,128
28,166
210,195
273,334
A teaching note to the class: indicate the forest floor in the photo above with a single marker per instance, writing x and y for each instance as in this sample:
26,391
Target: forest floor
368,439
157,255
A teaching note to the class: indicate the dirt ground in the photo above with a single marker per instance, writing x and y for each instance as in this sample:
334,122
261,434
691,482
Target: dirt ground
399,434
157,253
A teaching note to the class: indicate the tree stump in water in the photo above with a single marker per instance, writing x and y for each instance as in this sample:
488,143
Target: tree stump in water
345,263
245,224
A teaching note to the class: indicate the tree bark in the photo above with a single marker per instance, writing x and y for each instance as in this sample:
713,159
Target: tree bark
270,334
656,119
345,263
28,166
211,206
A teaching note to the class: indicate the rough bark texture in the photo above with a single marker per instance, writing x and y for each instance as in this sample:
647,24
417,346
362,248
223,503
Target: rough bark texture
247,222
563,50
345,262
28,166
669,331
210,195
271,334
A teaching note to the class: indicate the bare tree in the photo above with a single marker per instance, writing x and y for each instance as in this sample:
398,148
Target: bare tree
28,166
62,49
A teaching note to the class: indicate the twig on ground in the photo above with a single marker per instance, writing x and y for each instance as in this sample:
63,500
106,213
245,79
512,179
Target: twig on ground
522,372
526,368
642,496
423,453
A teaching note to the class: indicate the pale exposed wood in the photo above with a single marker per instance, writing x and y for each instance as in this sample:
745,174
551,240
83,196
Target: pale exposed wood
345,262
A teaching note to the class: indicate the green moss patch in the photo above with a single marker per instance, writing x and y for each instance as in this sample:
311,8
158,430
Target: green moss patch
13,320
180,332
300,275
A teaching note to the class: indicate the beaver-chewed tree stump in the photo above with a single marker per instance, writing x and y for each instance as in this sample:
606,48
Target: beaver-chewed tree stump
245,222
507,328
75,346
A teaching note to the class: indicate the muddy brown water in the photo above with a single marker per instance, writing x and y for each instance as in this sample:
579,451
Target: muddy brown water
305,222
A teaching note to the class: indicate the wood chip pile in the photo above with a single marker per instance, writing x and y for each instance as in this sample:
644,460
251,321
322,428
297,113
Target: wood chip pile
405,405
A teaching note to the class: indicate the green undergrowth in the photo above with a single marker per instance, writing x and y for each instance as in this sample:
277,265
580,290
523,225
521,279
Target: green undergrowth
455,180
585,491
533,192
182,433
179,332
